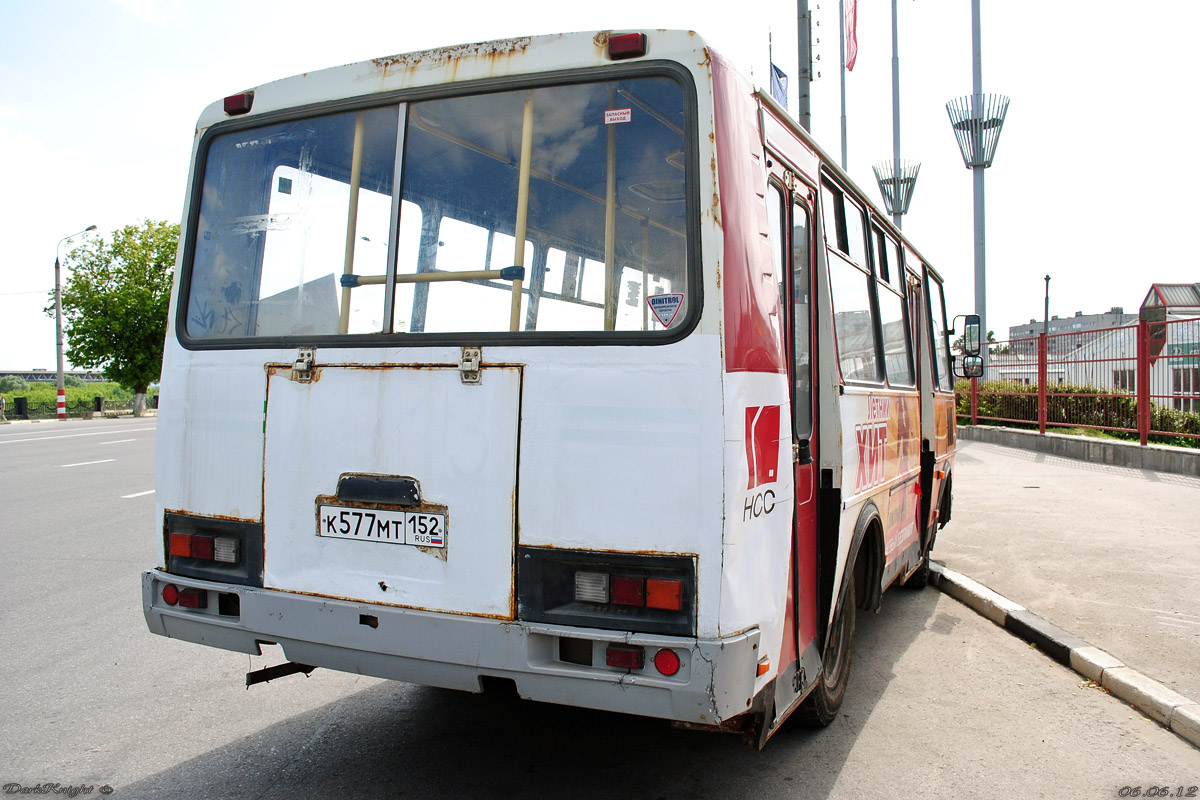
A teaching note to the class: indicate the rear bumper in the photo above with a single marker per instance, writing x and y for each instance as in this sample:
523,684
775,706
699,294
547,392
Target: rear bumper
714,683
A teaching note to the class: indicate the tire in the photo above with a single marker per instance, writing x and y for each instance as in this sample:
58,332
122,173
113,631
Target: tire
822,704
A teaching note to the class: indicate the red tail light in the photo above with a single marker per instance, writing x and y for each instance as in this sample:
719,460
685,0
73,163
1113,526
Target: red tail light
207,548
193,598
184,598
619,655
666,662
627,591
189,546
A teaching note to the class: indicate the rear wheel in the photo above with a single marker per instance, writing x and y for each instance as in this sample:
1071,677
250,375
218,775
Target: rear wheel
822,704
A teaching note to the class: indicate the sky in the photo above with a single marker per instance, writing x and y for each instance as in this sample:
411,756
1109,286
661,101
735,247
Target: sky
98,103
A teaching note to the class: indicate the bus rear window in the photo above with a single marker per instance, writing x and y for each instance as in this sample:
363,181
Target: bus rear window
306,228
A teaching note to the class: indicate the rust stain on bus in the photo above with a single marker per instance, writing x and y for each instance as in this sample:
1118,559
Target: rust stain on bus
601,39
194,515
495,50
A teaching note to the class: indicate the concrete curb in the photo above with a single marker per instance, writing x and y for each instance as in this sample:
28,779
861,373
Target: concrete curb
1170,709
1155,457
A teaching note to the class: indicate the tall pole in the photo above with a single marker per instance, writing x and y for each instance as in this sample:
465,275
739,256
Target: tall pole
895,105
62,386
804,55
977,120
977,113
1046,316
842,47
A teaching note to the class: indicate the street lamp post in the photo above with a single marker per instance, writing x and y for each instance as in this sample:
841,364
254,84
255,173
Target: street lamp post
977,120
1046,316
62,387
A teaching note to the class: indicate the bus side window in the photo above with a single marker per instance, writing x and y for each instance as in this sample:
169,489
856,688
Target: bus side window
897,336
777,234
937,323
800,317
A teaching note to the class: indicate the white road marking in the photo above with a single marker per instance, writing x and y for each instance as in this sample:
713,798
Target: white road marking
1171,620
139,494
69,436
85,463
119,441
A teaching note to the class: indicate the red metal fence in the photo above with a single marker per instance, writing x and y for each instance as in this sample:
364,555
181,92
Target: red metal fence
1142,380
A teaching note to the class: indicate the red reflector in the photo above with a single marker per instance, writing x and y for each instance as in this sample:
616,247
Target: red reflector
666,662
617,655
193,598
170,595
237,104
627,45
189,546
664,594
627,591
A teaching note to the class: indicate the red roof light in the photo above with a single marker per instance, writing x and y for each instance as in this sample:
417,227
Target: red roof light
237,104
626,45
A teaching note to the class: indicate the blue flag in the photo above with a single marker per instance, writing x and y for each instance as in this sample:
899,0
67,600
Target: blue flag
779,83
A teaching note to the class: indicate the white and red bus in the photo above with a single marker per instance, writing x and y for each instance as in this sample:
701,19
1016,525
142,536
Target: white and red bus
566,361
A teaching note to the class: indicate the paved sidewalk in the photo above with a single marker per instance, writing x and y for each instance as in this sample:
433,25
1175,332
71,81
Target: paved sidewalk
1108,554
1169,708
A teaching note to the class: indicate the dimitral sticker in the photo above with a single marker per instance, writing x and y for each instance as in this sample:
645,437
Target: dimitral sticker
615,115
665,307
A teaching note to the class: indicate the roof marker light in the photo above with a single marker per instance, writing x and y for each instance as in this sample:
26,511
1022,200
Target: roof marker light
626,45
237,104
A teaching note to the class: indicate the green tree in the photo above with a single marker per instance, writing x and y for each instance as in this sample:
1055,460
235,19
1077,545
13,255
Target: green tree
115,304
13,383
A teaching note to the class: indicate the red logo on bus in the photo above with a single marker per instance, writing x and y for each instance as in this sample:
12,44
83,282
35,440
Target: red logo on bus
872,444
762,444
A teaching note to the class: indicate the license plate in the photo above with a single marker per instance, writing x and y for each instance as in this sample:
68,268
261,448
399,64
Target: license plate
418,528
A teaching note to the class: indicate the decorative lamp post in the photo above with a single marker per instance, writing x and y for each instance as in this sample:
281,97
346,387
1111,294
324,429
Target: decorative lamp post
62,388
897,179
977,120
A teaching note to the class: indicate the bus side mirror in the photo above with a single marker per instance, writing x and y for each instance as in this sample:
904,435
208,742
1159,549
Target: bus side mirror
971,362
971,338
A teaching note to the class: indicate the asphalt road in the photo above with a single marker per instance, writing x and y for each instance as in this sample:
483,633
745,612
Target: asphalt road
941,703
1108,553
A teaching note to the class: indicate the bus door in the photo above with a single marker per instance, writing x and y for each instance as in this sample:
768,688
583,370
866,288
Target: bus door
791,230
800,350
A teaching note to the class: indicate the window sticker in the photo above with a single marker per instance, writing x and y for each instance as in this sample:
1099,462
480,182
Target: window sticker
665,307
614,115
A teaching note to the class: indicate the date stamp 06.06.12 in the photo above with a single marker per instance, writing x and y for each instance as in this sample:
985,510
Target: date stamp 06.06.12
1159,791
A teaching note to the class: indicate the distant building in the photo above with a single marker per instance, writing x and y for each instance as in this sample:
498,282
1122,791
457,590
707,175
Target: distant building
1100,350
1024,337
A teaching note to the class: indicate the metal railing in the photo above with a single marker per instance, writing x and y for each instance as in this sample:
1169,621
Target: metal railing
1140,380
